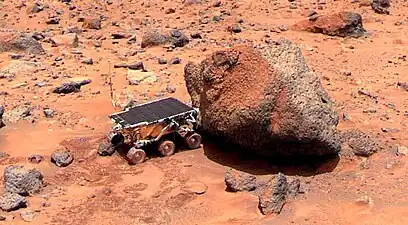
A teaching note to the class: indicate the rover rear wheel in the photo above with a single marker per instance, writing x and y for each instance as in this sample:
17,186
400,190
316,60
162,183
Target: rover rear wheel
193,141
136,156
105,148
167,148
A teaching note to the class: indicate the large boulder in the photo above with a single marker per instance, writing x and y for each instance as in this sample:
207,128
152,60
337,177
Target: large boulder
266,100
22,181
381,6
342,24
20,43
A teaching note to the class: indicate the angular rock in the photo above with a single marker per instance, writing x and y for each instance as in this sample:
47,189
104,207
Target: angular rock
11,201
342,24
62,158
22,181
381,6
17,113
37,7
67,88
265,100
92,23
154,38
53,20
361,143
119,35
273,196
239,181
136,77
21,44
1,116
175,60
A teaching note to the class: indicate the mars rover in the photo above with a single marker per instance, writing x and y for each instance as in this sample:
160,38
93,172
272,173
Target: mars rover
155,122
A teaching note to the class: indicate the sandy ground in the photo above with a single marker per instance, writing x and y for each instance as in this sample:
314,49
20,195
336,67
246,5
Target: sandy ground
96,190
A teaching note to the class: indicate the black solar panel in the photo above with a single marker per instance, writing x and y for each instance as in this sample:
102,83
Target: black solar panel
151,112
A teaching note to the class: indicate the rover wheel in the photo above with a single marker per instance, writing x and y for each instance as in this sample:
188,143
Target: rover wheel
136,156
167,148
193,141
105,148
116,139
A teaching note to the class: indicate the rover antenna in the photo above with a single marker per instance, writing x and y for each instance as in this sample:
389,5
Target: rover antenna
111,85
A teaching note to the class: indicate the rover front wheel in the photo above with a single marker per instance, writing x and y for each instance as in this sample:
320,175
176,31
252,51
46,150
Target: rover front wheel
167,148
193,141
136,156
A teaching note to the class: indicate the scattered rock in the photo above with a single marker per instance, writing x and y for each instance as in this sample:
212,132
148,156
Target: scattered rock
67,88
273,196
88,61
195,187
175,60
28,215
239,181
403,85
17,113
136,77
62,158
236,29
105,149
402,150
92,23
1,116
381,6
283,89
196,36
154,38
53,20
365,200
37,7
11,201
119,35
170,10
69,40
162,61
21,43
35,158
360,143
170,89
133,66
342,24
22,181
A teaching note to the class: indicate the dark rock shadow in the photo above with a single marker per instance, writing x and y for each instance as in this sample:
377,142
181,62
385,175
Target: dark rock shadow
233,156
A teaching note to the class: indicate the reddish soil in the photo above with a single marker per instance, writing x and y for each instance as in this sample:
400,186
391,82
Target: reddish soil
106,190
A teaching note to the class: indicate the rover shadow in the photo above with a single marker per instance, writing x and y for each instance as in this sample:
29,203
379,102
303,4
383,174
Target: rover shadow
235,157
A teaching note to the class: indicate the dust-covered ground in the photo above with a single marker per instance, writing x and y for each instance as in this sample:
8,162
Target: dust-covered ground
106,190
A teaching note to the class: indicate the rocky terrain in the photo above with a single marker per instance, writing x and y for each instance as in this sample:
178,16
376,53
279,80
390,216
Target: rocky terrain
344,71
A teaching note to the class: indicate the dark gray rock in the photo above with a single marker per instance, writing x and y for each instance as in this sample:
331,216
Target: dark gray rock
360,143
92,23
239,181
136,66
287,113
273,195
62,158
1,116
236,28
37,7
67,88
11,201
196,36
170,89
22,181
162,61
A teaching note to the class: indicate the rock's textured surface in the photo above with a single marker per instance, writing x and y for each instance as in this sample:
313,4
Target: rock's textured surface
360,143
343,24
155,38
273,196
20,43
264,99
62,158
11,201
22,181
239,181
